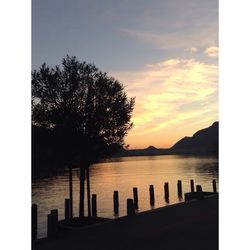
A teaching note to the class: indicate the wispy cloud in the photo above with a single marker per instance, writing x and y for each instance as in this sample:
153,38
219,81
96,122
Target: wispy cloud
191,50
170,93
212,51
176,39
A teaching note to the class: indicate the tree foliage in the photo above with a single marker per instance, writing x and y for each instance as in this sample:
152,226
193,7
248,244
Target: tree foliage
87,110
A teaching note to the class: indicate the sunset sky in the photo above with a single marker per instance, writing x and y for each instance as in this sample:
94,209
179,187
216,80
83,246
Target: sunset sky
164,51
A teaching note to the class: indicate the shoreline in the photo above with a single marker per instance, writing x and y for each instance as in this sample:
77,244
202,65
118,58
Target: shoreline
187,223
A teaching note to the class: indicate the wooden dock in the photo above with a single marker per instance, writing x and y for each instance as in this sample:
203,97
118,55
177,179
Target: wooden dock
189,225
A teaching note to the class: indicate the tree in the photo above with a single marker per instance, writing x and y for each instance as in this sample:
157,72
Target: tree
87,110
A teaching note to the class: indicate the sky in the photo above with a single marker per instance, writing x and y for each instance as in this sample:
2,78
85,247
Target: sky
164,51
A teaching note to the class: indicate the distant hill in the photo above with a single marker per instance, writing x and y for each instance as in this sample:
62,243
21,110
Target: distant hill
203,141
151,150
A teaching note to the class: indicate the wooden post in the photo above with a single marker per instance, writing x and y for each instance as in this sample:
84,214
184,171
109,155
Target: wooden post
116,202
34,221
214,186
198,188
130,207
135,194
52,226
49,225
166,191
88,192
94,209
81,201
152,195
199,191
179,187
67,209
192,186
54,213
71,192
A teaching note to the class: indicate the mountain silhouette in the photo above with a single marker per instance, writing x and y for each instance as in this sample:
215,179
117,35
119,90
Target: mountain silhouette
203,141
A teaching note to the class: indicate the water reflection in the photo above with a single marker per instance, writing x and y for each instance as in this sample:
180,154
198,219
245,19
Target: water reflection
123,175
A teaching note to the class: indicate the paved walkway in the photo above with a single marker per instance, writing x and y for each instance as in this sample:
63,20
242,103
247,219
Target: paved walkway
187,226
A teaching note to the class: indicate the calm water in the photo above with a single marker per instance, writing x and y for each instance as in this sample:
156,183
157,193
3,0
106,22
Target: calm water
122,175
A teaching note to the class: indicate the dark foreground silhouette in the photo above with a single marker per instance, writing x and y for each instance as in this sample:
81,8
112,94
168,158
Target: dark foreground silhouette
79,114
190,225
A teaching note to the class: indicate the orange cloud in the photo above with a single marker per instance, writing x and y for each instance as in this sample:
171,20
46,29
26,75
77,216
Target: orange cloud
212,51
191,50
176,93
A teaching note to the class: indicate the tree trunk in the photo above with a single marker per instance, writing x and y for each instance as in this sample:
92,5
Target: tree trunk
81,202
88,192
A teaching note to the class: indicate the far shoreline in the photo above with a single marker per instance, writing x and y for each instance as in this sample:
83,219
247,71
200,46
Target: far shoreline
45,171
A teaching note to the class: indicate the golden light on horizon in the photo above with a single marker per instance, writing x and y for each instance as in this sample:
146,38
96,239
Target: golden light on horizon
174,98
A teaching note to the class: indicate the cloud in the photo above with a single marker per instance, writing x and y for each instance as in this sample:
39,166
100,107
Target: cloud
202,37
212,51
171,93
191,50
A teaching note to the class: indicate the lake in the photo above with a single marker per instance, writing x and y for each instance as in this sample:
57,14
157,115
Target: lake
123,174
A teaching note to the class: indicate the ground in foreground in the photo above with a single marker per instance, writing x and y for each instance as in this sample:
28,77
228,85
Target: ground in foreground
191,225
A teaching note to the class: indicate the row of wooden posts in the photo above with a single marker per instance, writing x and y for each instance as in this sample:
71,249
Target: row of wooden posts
132,205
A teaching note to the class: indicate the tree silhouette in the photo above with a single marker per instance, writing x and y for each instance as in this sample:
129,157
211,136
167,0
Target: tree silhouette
87,110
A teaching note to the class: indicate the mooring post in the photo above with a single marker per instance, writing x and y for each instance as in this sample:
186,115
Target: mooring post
94,209
152,195
52,220
52,223
214,186
130,207
116,202
166,191
81,197
198,188
67,209
192,186
49,225
34,221
71,192
135,194
54,213
199,191
179,187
